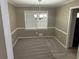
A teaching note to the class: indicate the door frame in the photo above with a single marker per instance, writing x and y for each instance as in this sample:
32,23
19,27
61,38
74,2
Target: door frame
69,41
6,29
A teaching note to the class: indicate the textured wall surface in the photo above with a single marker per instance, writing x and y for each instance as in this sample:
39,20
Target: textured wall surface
21,18
62,16
12,14
31,33
62,20
60,36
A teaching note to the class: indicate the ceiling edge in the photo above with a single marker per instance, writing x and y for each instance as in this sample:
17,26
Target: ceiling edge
16,5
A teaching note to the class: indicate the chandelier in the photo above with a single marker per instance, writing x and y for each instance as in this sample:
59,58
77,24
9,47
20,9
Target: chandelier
38,15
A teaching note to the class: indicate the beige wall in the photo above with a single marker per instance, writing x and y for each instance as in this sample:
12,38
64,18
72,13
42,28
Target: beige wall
63,15
20,15
62,20
13,24
2,42
12,14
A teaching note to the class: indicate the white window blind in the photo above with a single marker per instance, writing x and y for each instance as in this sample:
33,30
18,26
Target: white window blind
35,21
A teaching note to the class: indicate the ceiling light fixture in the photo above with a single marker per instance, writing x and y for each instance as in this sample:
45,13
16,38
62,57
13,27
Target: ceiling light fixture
39,1
37,16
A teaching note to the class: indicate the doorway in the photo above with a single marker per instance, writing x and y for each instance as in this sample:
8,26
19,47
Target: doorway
75,25
74,29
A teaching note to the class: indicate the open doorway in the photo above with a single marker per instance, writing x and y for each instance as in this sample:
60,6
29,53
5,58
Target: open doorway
74,30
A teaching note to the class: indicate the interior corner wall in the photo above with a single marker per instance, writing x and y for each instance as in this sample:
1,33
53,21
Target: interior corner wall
13,24
12,14
62,19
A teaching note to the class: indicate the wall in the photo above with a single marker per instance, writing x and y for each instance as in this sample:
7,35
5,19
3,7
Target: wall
62,19
2,42
12,14
21,20
35,33
63,15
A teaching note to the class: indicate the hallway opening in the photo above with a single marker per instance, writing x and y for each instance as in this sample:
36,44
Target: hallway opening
74,42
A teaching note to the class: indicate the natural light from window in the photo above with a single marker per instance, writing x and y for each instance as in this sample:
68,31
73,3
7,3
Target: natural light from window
35,20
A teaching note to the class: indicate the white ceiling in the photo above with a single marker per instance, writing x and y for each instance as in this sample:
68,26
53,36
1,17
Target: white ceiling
45,3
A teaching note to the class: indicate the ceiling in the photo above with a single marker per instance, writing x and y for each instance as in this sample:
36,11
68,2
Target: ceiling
44,3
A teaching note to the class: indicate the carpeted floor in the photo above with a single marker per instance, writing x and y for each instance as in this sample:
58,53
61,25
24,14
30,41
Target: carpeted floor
41,48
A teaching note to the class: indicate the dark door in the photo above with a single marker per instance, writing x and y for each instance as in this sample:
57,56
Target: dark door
76,34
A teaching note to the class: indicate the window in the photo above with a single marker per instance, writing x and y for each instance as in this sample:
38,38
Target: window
77,15
35,20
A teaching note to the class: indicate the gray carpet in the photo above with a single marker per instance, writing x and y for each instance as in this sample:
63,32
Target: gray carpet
32,49
41,48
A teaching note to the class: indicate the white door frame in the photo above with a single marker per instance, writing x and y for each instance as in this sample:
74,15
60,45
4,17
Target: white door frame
69,41
6,27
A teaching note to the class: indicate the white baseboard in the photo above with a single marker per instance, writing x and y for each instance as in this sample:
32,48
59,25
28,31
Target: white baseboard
15,42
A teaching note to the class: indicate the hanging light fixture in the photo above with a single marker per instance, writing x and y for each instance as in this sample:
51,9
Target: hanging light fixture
37,16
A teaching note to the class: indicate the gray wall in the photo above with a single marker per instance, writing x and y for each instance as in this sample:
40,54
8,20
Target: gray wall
12,14
21,22
62,15
20,15
62,19
13,24
2,41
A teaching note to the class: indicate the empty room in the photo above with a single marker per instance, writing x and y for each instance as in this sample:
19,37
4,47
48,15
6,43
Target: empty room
39,29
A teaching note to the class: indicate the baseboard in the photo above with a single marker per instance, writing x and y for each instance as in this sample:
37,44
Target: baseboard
15,42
